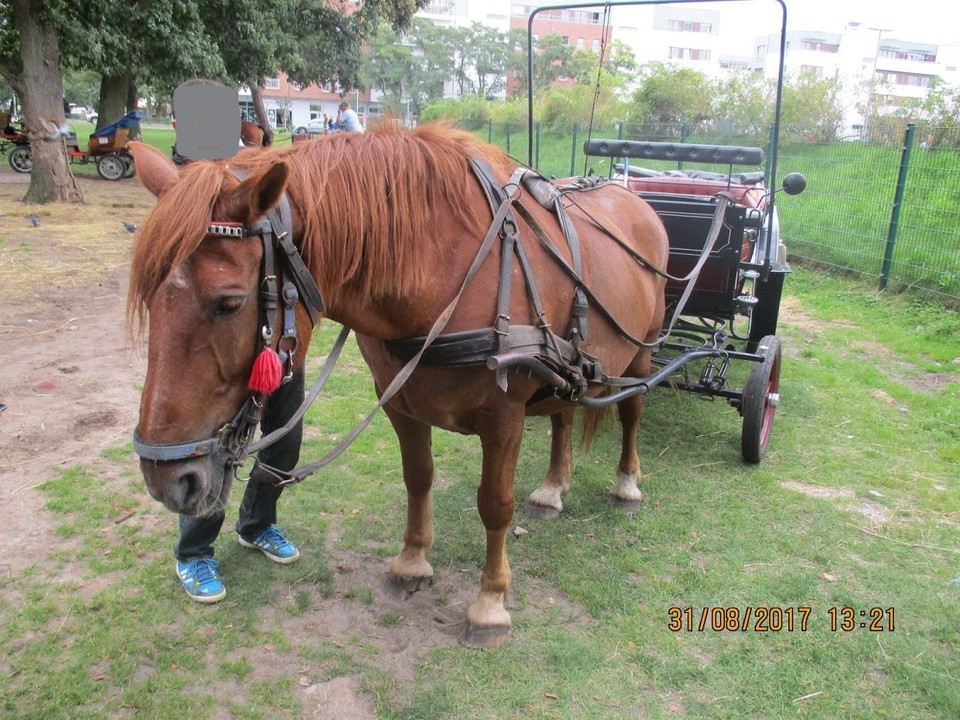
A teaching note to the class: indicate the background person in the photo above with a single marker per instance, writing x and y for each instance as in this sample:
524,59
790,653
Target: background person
347,118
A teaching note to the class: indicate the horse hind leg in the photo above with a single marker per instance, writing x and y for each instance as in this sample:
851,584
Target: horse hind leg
410,571
546,502
625,495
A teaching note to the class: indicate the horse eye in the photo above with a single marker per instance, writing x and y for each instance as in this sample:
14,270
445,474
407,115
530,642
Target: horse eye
228,305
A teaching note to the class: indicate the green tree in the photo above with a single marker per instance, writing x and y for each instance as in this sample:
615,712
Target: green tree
30,63
811,108
669,95
129,45
744,104
937,115
390,67
481,60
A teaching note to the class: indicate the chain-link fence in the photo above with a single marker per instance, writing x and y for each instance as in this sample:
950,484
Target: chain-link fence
884,205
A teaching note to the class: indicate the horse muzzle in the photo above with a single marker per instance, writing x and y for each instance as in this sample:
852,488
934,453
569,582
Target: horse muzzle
194,486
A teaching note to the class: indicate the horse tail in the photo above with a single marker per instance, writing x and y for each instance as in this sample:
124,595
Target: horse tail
591,420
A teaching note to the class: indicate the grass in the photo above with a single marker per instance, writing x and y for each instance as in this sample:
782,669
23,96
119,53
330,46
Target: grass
870,415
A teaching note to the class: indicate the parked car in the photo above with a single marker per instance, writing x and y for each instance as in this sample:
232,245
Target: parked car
314,127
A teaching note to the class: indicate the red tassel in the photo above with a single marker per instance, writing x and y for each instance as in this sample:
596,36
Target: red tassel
267,372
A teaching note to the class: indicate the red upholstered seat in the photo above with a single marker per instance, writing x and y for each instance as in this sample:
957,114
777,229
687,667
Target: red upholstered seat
748,195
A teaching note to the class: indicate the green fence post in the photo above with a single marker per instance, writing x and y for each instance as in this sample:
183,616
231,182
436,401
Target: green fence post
573,150
536,164
897,203
769,154
506,129
684,134
613,161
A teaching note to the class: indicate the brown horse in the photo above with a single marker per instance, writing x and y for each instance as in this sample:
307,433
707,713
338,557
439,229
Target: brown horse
252,135
388,223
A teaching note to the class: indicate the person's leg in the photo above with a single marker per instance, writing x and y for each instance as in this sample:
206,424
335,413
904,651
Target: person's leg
197,535
196,568
258,509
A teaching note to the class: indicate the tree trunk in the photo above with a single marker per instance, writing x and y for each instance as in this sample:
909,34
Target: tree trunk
114,90
41,97
256,95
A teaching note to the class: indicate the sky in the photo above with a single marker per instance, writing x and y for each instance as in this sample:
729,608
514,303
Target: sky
926,21
935,22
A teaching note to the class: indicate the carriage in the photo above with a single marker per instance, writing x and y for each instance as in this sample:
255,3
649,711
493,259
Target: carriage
14,144
727,265
108,147
727,262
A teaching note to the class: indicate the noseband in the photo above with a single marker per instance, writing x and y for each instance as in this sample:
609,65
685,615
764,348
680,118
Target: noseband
295,284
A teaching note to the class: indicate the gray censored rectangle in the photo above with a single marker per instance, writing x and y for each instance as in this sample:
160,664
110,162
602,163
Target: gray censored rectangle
207,121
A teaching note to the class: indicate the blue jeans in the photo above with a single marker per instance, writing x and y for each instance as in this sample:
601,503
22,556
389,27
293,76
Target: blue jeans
258,508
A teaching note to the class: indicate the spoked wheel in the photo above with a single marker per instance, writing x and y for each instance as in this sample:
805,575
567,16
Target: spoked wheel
111,166
21,159
761,394
129,170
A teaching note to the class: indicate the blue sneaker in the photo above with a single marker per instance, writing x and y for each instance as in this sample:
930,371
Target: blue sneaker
201,580
274,544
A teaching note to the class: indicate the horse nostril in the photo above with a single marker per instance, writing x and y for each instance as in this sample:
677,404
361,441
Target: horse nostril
186,490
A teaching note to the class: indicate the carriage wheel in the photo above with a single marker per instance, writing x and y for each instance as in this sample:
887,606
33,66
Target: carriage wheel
111,166
130,170
21,159
761,393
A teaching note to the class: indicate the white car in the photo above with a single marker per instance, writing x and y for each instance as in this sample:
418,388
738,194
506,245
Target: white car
314,127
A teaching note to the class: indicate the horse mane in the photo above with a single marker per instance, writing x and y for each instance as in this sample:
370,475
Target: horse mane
368,207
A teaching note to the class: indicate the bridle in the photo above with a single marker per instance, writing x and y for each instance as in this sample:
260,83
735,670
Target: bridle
232,443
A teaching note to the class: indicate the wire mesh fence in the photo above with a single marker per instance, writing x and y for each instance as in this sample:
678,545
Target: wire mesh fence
883,205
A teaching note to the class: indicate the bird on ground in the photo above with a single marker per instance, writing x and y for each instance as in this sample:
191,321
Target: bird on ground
129,227
34,220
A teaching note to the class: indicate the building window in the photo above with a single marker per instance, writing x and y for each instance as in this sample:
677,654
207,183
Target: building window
595,45
914,56
817,46
271,83
903,78
811,69
580,44
689,26
678,53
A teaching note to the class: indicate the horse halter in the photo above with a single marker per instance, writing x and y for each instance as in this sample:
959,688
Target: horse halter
295,284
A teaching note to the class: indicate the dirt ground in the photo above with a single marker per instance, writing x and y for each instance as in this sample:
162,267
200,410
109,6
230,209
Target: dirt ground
68,376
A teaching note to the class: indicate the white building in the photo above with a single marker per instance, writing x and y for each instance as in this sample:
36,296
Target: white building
863,59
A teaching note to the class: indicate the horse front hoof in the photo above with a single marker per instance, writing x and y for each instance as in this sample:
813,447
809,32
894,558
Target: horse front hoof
404,587
483,637
541,512
627,505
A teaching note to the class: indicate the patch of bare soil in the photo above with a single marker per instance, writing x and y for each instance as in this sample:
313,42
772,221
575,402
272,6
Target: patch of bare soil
901,371
68,377
875,512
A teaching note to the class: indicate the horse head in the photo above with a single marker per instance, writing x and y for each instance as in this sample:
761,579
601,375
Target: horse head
195,283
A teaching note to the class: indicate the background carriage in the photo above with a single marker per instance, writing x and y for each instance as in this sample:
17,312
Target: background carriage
108,147
14,144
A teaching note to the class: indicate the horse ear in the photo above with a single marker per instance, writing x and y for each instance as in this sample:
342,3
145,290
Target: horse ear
266,189
155,170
